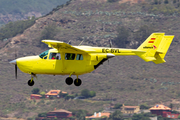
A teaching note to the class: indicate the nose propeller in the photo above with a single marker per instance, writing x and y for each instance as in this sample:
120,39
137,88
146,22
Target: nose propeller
16,66
14,63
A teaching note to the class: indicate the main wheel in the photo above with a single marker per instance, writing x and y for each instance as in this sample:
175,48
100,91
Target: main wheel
31,82
77,82
69,81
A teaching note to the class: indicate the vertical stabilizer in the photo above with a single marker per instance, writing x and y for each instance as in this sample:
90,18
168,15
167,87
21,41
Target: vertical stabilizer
155,47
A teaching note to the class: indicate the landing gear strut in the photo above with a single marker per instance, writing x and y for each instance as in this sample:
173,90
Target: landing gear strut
31,81
69,81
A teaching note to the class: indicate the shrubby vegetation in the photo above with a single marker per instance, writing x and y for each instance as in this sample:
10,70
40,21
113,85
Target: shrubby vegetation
117,106
122,37
11,6
143,33
166,7
140,35
42,114
88,94
117,115
59,7
49,32
13,28
142,116
162,118
144,106
112,1
35,91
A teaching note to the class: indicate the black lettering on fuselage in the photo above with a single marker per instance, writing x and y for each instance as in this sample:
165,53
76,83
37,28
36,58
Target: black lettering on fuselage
108,50
147,47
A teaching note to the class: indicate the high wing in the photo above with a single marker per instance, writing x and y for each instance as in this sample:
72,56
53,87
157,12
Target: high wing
61,46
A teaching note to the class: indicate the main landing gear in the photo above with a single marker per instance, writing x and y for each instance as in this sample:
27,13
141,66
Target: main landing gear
69,81
31,81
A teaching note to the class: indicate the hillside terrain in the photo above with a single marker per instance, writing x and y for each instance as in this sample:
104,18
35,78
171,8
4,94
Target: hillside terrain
126,79
13,10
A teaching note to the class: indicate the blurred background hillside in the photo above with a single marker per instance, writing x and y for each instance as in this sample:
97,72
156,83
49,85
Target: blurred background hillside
125,80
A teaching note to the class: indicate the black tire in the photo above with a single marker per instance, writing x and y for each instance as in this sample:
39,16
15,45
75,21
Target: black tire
69,81
31,83
77,82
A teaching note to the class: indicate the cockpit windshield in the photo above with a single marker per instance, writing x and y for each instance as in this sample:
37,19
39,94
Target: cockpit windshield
43,54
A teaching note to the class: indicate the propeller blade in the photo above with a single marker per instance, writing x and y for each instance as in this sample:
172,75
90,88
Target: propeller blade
16,71
15,65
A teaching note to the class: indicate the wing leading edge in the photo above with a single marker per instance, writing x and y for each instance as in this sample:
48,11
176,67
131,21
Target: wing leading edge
61,46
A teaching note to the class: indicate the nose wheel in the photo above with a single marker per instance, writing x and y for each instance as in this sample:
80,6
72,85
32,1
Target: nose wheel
31,81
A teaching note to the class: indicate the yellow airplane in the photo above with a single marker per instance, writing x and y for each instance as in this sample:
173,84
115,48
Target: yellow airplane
65,59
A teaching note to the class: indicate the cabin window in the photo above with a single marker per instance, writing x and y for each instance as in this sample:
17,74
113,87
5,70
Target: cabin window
55,56
44,54
79,57
69,56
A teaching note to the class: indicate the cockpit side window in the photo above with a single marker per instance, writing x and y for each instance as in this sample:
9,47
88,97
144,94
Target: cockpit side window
56,56
44,54
79,57
69,56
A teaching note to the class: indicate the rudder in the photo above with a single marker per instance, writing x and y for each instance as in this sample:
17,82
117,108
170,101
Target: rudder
155,47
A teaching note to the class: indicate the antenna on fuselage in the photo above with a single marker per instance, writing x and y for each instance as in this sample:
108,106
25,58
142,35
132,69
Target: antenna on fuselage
81,42
110,45
69,42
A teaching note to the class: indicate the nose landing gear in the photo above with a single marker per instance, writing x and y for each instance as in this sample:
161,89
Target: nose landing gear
31,81
69,81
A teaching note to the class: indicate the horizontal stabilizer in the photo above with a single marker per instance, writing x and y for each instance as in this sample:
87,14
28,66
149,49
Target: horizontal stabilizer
155,47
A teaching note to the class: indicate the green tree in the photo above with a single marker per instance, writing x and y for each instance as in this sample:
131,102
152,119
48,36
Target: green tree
63,94
35,91
80,114
69,97
112,1
51,97
117,106
85,93
143,33
155,2
49,31
166,1
43,94
171,106
13,28
140,117
92,94
30,119
162,118
42,114
179,117
144,106
117,115
122,36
